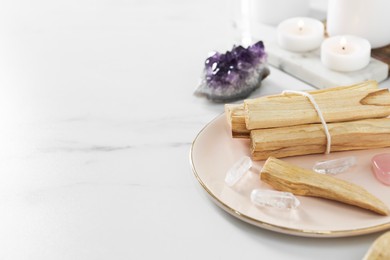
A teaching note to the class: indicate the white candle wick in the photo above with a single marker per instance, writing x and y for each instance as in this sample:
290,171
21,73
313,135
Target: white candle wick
343,43
345,53
300,25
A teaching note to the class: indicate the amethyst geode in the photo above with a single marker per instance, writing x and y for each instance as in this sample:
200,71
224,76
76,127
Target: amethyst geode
235,74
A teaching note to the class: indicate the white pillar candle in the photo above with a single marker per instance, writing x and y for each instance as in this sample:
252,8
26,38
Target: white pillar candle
368,19
275,11
300,34
345,53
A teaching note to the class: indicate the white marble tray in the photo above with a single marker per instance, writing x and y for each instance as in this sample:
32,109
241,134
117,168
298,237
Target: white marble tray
308,68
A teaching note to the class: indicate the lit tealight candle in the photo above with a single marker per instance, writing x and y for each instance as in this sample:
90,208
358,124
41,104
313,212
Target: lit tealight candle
300,34
345,53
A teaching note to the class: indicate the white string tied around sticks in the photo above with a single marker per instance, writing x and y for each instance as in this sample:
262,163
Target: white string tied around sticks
318,110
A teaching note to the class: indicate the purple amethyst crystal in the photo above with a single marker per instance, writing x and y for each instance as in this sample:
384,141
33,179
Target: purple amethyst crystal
234,74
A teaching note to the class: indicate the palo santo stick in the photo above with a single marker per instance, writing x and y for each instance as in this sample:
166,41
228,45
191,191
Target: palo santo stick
284,176
235,115
339,104
380,249
310,139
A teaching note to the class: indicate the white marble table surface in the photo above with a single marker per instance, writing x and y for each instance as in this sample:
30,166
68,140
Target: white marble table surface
97,118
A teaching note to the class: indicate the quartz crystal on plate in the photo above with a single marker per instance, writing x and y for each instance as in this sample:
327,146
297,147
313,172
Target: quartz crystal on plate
235,74
274,199
334,166
238,170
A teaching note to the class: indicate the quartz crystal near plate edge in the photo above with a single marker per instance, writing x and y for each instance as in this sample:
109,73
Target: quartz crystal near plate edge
238,170
235,74
274,199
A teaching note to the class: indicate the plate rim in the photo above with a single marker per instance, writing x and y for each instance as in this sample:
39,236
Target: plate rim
269,226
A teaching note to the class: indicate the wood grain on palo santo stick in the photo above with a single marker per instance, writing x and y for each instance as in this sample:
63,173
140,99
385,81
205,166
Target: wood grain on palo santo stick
338,104
284,176
310,139
235,115
380,249
236,112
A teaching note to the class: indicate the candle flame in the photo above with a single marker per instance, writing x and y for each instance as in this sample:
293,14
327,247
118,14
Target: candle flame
343,43
301,23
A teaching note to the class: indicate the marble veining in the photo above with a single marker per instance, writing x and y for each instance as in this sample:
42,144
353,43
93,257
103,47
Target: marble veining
104,148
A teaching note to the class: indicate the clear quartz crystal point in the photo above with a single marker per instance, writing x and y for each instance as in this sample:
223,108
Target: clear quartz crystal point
238,170
274,199
334,166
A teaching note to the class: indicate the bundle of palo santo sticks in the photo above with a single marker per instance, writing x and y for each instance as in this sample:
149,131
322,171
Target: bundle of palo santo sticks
287,124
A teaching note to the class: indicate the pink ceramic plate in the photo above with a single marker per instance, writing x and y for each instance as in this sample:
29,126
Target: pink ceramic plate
214,151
